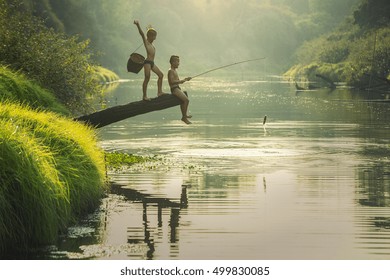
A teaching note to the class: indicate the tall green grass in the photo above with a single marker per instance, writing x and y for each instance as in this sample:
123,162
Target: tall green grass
51,171
16,87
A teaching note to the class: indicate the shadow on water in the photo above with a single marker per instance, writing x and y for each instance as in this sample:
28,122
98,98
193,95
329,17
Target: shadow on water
88,239
149,200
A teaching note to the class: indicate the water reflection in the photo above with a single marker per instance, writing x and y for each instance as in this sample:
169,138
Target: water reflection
375,186
148,200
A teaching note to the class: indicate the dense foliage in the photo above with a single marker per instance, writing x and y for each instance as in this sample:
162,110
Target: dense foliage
373,13
105,24
57,62
354,53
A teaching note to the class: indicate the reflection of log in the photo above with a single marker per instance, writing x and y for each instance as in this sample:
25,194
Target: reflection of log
382,83
326,79
297,87
121,112
383,79
146,199
309,87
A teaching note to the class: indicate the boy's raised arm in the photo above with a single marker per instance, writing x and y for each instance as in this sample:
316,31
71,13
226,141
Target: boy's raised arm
136,22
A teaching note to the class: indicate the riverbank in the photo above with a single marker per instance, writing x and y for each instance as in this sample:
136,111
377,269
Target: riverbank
356,56
52,170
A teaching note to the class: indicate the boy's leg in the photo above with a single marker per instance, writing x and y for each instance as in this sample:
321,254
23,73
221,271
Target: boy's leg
184,105
185,93
146,81
160,75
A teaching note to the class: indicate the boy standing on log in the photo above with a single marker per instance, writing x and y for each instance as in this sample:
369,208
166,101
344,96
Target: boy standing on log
174,81
149,65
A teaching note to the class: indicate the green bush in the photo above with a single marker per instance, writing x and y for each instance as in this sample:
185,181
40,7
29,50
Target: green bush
364,60
61,64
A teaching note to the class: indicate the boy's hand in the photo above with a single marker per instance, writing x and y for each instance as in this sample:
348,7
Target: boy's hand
136,22
188,79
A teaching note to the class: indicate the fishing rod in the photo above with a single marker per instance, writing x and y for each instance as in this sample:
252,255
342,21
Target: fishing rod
235,63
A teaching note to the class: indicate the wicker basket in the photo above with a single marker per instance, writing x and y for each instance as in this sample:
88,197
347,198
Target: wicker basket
135,63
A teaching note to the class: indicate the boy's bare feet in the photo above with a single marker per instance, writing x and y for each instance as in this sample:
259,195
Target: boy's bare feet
189,117
161,93
146,99
184,119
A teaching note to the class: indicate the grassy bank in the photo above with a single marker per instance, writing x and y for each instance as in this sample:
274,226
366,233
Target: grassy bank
15,87
51,169
103,75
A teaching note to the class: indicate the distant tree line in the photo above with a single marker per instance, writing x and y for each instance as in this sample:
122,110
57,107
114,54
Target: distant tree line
275,28
355,52
336,36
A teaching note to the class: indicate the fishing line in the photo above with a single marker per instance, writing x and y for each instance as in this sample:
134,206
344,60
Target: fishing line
228,65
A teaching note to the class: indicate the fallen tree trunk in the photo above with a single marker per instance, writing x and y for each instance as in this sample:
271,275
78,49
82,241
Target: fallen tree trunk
121,112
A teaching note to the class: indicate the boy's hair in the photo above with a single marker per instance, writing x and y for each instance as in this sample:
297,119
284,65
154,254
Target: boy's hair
173,57
151,31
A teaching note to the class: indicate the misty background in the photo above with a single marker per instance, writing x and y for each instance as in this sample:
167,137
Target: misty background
204,33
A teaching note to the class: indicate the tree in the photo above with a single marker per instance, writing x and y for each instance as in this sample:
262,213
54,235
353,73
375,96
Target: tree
373,13
57,62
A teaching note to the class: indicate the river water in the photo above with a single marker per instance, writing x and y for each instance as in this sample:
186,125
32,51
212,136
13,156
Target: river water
312,183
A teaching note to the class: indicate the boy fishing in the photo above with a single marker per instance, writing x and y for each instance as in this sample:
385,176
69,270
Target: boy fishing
149,65
174,82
